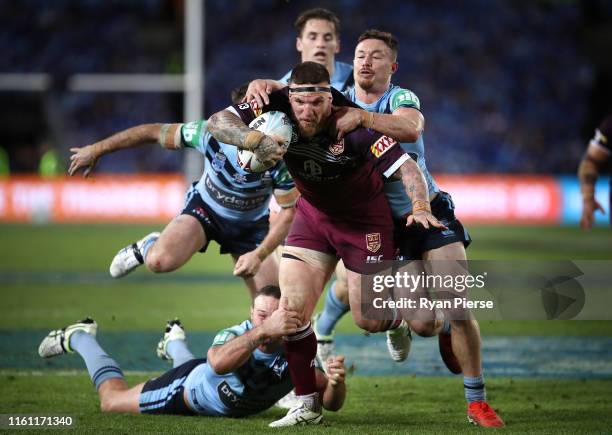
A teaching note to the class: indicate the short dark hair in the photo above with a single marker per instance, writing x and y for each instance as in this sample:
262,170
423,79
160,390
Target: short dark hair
239,93
269,290
316,14
309,72
386,37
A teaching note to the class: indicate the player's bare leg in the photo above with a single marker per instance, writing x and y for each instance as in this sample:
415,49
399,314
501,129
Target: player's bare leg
116,396
303,274
465,338
182,237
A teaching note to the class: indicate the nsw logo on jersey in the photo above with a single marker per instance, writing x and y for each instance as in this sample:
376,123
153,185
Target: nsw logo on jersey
382,145
218,161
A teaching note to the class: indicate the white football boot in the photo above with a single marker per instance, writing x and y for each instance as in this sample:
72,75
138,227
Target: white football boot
399,341
325,344
174,331
288,402
58,341
301,414
130,257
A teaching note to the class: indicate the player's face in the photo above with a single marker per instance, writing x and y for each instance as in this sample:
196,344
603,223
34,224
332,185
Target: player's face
263,307
373,65
318,42
311,111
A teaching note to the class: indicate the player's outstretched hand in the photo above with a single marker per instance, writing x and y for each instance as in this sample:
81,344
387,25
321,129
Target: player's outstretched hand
345,120
247,265
589,207
336,372
85,157
425,219
281,322
259,90
269,151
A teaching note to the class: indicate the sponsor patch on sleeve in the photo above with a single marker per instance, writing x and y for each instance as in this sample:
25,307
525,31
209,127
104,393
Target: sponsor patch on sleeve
223,337
405,98
382,145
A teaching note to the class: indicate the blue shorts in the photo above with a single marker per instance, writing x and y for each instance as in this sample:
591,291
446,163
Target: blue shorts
412,242
164,395
232,237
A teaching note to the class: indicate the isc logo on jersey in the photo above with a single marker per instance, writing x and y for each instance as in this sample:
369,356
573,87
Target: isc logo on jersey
382,145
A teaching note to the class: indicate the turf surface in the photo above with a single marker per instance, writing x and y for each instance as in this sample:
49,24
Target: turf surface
53,275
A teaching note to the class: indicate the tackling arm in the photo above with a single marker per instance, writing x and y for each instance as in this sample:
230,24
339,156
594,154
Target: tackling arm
405,124
331,387
167,135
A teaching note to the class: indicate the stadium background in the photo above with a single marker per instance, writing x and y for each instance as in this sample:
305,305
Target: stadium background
511,92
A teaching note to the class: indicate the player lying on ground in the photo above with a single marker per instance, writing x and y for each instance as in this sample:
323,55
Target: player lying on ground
594,161
342,211
228,205
245,373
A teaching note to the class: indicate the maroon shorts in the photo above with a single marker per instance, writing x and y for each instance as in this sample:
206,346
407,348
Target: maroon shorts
362,240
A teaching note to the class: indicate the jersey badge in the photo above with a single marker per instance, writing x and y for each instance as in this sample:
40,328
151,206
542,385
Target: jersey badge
373,242
218,161
337,148
255,108
240,178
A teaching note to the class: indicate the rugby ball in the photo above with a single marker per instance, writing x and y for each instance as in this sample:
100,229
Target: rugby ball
274,123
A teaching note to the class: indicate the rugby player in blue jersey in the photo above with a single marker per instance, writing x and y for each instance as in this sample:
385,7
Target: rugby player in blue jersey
228,205
245,371
341,213
395,111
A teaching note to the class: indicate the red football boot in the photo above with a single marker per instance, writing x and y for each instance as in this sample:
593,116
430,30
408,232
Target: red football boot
481,414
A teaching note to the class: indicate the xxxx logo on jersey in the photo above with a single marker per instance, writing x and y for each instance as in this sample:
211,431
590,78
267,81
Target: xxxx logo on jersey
255,107
382,145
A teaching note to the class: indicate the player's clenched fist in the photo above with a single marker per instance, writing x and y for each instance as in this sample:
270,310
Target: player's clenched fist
269,151
281,322
336,372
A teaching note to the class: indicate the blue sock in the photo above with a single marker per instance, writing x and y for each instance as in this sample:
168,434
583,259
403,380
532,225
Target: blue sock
147,245
446,328
179,352
333,311
100,366
474,388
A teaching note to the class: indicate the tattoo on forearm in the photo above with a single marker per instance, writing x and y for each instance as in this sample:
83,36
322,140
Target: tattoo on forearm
228,128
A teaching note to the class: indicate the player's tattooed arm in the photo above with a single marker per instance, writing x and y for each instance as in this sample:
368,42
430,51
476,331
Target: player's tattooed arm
86,157
416,188
404,124
228,128
231,355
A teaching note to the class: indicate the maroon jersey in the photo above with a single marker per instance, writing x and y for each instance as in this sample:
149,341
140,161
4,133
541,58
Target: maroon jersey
603,134
339,178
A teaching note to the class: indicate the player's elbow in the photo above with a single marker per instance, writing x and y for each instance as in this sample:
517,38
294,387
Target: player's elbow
408,136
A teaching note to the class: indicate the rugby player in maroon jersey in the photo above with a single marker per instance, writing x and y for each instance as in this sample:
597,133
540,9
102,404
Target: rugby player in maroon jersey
342,212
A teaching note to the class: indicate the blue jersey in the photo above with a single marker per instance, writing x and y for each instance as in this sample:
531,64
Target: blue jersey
341,80
231,192
254,387
394,98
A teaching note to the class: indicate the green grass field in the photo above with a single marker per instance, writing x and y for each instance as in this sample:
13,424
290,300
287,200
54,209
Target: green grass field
53,275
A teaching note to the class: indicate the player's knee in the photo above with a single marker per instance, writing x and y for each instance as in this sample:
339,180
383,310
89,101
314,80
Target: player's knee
370,325
423,328
159,262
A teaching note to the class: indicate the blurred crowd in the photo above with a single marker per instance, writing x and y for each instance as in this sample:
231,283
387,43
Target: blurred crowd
504,85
